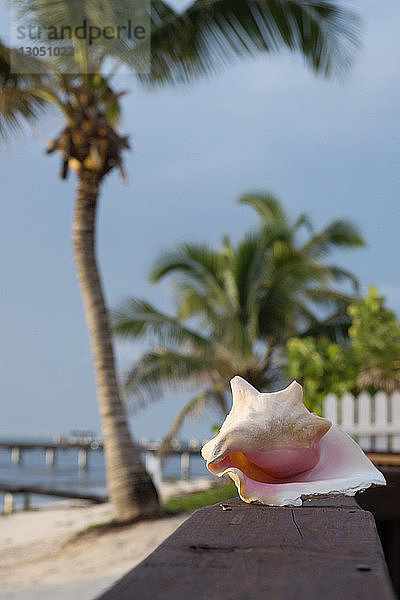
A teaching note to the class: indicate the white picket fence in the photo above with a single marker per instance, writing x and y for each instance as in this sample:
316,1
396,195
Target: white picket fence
373,421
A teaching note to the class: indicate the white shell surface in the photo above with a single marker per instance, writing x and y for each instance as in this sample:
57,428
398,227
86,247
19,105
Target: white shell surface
277,452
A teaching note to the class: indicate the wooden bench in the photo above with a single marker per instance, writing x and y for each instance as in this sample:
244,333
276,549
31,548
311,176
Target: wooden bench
327,549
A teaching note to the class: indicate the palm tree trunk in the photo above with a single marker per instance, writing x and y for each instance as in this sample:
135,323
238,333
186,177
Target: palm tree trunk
131,490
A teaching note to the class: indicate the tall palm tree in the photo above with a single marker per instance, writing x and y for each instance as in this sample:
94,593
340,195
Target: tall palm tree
185,45
236,308
91,145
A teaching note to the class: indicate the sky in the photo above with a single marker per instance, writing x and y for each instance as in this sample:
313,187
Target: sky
327,148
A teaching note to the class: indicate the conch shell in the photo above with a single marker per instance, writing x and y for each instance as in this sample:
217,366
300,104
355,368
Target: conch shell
277,452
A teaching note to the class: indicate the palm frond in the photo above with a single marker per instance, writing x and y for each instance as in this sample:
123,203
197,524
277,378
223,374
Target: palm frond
191,410
194,302
212,33
136,319
249,271
328,297
197,269
19,104
163,370
268,207
197,260
340,274
302,220
335,327
339,233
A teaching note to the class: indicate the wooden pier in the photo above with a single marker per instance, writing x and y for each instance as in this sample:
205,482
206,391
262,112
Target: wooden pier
10,490
50,449
150,450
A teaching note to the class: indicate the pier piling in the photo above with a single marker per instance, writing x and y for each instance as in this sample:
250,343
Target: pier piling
8,503
50,457
16,456
185,465
82,459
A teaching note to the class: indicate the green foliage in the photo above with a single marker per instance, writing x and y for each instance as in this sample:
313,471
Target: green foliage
191,502
321,366
235,308
370,360
101,526
375,334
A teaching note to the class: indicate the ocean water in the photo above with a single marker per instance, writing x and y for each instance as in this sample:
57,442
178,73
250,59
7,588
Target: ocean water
65,474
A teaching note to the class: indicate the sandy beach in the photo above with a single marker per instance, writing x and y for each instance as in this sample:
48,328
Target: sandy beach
41,558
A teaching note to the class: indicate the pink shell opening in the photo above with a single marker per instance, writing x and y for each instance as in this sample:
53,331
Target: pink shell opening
286,462
333,465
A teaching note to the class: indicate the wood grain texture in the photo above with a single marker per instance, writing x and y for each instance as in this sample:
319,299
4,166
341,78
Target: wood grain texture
325,549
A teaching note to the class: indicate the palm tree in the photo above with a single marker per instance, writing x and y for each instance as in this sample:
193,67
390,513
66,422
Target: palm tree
184,46
236,308
91,145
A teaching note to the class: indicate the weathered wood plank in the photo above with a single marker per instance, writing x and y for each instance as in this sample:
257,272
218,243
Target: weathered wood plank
325,549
